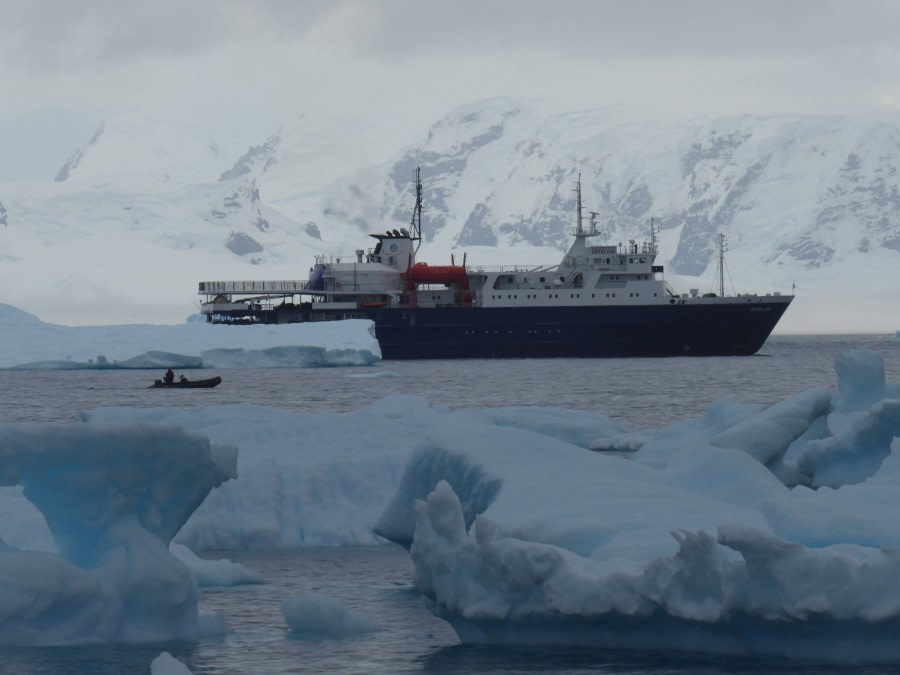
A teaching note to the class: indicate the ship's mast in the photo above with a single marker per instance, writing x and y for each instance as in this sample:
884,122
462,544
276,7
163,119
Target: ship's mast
578,228
415,223
721,238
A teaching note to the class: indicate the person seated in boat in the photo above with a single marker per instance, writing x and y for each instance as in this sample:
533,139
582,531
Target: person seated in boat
169,377
183,379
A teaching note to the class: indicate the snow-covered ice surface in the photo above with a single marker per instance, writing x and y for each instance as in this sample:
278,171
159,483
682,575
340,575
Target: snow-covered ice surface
214,573
747,531
324,479
193,344
166,664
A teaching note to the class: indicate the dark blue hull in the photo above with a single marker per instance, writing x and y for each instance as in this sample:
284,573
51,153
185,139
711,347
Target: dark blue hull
703,329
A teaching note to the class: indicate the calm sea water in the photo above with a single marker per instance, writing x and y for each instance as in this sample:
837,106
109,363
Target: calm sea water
637,393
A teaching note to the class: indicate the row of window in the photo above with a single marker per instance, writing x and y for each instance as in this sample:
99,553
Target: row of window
607,261
500,283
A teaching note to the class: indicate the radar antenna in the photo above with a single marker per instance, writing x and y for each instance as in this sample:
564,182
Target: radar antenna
415,223
595,229
722,247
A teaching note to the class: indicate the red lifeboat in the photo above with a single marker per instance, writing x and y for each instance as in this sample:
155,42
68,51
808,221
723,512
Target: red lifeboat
423,273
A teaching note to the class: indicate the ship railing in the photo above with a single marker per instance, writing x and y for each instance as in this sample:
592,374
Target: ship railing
345,287
493,269
329,260
255,287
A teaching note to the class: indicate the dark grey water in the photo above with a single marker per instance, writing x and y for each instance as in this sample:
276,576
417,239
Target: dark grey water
377,582
638,393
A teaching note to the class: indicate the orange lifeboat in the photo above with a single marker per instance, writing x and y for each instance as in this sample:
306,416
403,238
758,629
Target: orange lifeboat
423,273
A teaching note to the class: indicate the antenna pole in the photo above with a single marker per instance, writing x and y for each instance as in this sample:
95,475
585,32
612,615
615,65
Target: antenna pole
415,222
721,265
579,229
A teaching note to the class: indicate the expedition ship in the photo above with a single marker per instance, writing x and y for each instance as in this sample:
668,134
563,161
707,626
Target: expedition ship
600,301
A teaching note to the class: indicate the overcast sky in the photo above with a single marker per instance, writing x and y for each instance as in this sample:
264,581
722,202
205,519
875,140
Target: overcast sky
67,65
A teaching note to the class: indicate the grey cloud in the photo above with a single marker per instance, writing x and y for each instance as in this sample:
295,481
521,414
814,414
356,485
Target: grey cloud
65,34
57,33
616,28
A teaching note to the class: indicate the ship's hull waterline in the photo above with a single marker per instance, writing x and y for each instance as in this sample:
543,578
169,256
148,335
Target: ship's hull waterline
734,329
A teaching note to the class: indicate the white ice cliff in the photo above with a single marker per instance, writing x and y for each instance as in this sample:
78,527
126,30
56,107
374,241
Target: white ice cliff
113,496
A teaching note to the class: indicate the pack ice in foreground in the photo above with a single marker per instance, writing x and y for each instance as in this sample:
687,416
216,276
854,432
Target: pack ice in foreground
748,531
751,530
112,496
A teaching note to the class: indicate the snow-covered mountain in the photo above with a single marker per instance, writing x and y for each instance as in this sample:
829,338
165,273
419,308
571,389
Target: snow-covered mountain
797,192
145,210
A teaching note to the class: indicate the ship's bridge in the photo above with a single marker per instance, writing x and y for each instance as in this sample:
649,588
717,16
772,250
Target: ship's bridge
394,249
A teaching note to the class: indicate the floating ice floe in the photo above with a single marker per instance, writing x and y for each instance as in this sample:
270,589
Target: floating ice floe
322,616
214,573
749,531
112,497
325,479
166,664
26,343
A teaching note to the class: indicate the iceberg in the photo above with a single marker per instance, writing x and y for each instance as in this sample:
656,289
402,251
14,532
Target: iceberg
752,531
27,343
112,497
325,479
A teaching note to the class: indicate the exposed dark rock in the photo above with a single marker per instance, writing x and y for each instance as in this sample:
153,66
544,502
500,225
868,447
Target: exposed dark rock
477,231
261,224
73,161
313,230
242,244
258,155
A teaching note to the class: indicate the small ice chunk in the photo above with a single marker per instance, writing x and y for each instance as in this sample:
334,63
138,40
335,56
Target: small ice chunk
320,615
